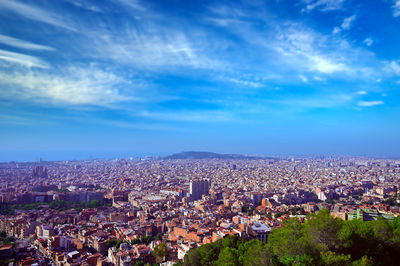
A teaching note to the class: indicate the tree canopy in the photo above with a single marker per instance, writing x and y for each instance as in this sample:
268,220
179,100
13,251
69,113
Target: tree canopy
320,240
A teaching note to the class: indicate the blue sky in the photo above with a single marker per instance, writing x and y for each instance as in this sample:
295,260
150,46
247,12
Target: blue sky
81,78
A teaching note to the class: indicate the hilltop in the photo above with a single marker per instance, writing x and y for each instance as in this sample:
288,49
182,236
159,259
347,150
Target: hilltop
211,155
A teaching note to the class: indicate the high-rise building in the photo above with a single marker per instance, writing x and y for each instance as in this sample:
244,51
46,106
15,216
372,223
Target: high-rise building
199,188
256,198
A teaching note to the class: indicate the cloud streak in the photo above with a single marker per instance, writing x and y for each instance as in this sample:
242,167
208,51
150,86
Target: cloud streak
35,13
153,48
369,103
346,24
394,67
368,41
73,87
18,43
396,8
323,5
22,59
302,45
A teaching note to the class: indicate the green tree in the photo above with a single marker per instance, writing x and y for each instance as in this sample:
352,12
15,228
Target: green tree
323,229
298,260
227,257
193,258
254,253
364,261
332,258
289,241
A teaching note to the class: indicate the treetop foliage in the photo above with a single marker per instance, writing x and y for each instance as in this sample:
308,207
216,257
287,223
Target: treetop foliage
320,240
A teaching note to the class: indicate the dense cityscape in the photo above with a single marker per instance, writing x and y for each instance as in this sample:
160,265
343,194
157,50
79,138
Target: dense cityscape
199,133
155,210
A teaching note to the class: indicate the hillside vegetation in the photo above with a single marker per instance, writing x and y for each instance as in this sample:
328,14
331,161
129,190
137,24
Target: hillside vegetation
320,240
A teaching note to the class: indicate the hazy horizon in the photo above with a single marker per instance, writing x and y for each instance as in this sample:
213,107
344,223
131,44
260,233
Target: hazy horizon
115,78
81,156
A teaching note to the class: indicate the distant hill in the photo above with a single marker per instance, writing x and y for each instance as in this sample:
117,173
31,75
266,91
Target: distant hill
210,155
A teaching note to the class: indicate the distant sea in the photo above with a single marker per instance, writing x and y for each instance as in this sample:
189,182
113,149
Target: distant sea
34,156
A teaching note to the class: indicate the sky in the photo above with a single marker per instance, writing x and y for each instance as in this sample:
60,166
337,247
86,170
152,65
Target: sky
118,78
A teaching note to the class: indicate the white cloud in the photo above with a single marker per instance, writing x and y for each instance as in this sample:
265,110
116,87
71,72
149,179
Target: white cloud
309,49
35,13
23,44
84,4
225,22
319,78
368,41
346,24
369,103
394,67
22,59
227,11
336,30
396,8
325,65
151,48
75,86
323,5
133,4
247,83
361,93
303,78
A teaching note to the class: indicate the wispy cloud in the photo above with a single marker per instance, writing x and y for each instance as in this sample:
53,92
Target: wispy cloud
303,78
346,24
396,8
135,4
369,103
23,44
85,4
322,5
245,83
35,13
393,67
291,52
308,46
224,22
361,93
152,48
22,59
368,41
72,87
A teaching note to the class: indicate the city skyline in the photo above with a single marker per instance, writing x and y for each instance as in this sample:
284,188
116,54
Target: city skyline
105,79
